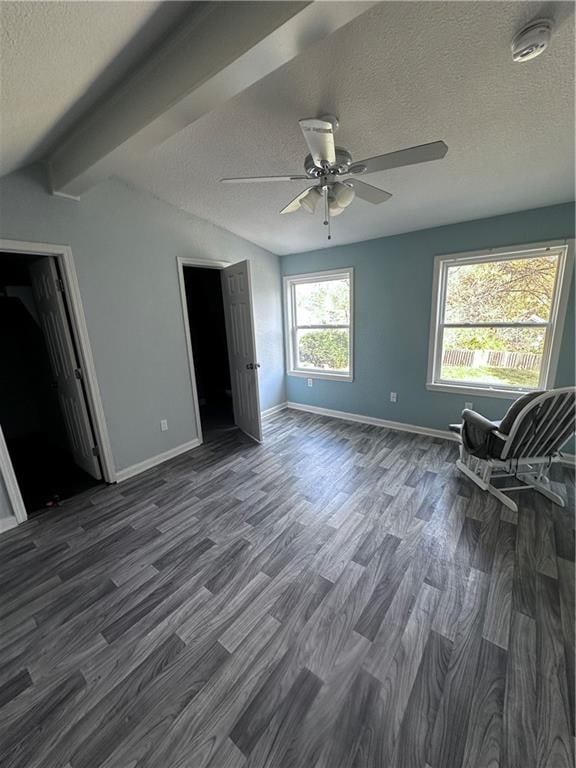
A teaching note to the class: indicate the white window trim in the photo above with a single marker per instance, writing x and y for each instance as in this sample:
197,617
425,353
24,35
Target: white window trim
555,325
313,277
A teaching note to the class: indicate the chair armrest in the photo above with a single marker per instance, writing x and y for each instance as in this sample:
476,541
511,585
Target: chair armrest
476,420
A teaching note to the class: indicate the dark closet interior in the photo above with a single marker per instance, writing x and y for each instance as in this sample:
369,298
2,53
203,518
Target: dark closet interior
210,348
30,413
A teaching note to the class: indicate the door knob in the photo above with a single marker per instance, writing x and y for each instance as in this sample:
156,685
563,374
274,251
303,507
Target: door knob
251,366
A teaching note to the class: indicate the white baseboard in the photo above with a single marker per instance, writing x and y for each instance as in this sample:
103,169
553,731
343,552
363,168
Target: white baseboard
274,409
153,461
396,425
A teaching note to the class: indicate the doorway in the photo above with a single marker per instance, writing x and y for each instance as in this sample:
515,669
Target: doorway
44,413
205,305
224,296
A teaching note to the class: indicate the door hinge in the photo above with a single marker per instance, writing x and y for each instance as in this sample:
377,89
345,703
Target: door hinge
60,285
95,451
78,373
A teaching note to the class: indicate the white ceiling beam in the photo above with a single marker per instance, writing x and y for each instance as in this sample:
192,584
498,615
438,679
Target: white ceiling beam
222,49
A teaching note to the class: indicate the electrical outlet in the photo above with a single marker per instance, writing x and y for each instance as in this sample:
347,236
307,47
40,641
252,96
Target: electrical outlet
164,425
469,406
393,397
309,382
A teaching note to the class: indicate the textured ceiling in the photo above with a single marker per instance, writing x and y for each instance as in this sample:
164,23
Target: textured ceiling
401,74
58,58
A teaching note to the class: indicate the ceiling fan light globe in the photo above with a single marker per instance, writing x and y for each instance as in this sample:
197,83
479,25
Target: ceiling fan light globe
334,208
343,194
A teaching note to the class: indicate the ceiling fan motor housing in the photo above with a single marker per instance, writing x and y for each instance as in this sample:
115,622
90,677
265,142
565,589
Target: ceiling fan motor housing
339,168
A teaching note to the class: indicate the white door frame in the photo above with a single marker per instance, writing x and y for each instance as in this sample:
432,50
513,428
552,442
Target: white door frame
192,261
11,483
65,260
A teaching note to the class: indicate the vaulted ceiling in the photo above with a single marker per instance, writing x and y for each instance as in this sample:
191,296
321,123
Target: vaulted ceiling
398,74
57,59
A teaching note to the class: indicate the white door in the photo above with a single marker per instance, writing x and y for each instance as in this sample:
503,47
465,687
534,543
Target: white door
242,348
65,368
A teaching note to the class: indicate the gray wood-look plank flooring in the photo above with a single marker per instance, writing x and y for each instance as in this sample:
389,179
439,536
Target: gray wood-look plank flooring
336,597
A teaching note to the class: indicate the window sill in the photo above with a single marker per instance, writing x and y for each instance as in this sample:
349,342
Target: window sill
468,389
322,375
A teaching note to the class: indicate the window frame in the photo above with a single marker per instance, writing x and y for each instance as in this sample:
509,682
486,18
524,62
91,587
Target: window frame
291,329
554,326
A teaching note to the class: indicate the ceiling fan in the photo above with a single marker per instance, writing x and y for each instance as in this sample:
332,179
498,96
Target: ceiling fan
327,165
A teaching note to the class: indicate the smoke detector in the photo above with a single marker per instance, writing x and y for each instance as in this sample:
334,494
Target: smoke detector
532,40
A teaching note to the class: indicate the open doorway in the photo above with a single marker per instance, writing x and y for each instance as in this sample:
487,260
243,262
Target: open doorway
44,415
220,335
209,342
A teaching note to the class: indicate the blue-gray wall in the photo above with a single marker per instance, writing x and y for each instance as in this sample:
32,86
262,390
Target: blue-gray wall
125,245
392,303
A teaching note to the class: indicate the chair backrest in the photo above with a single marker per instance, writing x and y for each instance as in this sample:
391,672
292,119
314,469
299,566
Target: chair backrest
543,426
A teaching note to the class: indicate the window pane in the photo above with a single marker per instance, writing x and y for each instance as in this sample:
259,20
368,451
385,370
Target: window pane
495,356
326,349
510,291
326,302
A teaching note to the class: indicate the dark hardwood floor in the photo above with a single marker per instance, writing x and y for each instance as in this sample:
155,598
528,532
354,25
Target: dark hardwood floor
339,596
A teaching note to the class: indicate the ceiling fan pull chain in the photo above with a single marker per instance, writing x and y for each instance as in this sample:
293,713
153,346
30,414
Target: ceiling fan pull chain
326,210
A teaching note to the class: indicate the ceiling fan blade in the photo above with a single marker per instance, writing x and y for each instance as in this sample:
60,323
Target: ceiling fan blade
252,179
294,205
319,135
368,192
421,154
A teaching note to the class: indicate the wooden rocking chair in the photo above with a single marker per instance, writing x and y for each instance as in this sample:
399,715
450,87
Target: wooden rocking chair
524,444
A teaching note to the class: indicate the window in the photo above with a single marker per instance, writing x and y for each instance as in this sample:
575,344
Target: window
319,324
496,319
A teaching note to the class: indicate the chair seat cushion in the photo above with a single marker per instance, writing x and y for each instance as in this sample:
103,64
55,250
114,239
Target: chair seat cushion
479,436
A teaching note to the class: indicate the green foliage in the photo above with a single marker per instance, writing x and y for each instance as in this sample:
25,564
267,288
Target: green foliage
323,303
324,349
524,339
476,338
517,290
510,291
